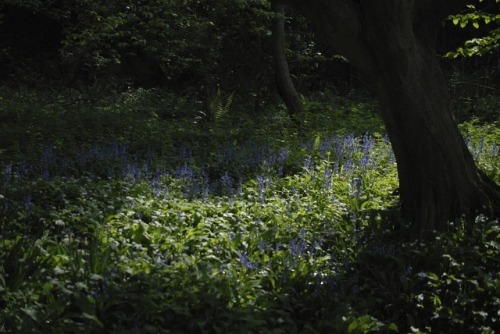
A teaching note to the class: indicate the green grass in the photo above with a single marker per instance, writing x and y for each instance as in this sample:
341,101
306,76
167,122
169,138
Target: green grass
137,218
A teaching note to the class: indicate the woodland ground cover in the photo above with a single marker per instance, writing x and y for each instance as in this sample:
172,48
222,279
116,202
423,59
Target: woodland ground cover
136,212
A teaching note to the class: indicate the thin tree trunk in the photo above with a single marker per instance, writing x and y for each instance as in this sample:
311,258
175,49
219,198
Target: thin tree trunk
391,42
284,82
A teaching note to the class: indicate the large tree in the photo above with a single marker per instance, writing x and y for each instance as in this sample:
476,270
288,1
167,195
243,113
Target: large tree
392,42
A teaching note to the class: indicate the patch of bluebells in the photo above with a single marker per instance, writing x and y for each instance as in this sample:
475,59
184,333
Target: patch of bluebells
230,162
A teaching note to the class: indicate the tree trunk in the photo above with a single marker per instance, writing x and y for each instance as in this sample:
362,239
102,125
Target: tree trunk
284,82
393,46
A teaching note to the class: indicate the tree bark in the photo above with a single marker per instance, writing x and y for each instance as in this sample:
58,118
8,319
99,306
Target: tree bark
284,82
392,42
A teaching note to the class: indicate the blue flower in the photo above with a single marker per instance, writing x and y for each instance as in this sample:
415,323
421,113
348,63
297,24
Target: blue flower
297,247
308,164
227,182
28,203
245,261
328,178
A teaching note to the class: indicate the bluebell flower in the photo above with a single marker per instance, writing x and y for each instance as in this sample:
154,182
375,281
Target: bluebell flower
336,167
6,174
339,148
357,186
365,161
47,160
283,155
245,261
324,147
24,168
481,145
347,166
317,243
308,164
227,182
184,153
495,150
328,178
27,202
261,186
350,140
297,247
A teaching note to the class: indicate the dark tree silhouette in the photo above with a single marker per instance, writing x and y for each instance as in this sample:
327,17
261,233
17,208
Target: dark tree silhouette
284,82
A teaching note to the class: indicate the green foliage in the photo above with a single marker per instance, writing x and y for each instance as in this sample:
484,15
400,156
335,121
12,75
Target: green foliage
477,46
443,286
257,230
217,107
483,140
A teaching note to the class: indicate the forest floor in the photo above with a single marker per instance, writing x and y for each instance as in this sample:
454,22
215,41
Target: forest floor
139,212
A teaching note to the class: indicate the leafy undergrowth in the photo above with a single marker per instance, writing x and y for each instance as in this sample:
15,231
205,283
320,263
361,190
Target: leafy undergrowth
248,238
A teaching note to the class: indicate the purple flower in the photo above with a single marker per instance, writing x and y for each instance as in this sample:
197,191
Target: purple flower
347,166
227,182
357,185
261,184
28,203
328,178
368,143
297,247
245,261
7,174
308,164
365,161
